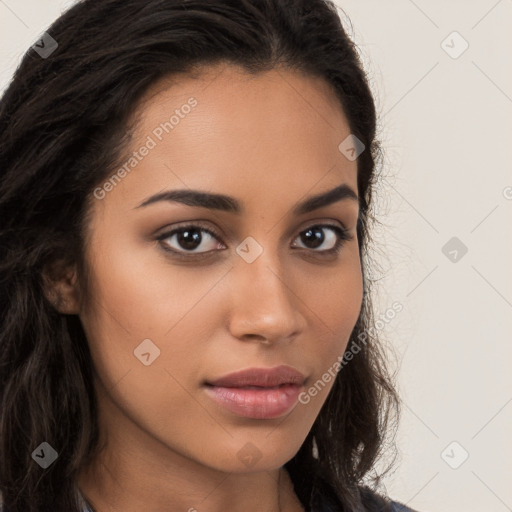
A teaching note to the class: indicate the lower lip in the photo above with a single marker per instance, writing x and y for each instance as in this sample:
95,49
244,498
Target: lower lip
264,403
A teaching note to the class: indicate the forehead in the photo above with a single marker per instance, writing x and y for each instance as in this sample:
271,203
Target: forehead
267,100
224,130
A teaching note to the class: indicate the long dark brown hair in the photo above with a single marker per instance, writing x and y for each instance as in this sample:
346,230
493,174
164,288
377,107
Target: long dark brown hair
63,127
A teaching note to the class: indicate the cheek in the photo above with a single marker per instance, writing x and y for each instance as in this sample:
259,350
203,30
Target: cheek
335,304
137,297
334,295
145,330
139,293
149,310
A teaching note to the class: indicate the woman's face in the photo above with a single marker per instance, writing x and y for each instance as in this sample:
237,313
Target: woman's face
170,313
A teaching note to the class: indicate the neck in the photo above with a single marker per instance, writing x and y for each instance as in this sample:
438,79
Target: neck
270,490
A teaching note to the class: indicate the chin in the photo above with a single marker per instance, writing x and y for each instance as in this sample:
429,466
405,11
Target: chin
249,454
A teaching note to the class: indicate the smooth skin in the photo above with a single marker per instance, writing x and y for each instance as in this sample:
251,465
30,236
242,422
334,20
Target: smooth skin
270,141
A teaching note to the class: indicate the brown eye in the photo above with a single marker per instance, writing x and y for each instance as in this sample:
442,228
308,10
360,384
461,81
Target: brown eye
314,237
188,239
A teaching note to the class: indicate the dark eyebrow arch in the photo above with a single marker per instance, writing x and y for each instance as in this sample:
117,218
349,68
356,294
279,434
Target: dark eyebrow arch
232,205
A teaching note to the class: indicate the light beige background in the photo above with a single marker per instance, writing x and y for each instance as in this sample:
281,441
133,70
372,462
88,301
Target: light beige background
446,124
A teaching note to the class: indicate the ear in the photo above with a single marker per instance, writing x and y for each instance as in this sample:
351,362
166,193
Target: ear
60,282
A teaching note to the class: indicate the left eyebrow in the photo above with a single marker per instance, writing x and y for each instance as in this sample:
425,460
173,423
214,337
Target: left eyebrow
229,204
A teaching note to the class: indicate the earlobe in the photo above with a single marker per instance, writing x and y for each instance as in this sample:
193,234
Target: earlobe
61,287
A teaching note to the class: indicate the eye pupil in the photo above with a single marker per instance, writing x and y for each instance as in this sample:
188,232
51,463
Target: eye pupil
314,235
189,238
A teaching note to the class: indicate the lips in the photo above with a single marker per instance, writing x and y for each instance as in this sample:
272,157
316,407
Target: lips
257,393
260,378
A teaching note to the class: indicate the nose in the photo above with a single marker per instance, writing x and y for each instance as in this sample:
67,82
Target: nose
264,307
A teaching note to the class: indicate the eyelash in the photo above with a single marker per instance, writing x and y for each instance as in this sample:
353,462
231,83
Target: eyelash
342,235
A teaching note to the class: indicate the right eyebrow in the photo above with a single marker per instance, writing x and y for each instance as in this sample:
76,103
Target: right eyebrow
197,198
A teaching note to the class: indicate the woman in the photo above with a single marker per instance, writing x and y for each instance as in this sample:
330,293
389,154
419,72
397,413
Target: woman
185,207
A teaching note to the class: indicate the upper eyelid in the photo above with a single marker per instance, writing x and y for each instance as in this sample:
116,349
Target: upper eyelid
215,232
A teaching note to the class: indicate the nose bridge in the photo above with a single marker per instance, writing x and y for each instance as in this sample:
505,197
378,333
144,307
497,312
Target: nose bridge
263,276
264,303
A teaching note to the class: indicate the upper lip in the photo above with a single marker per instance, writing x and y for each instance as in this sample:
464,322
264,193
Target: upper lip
263,377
